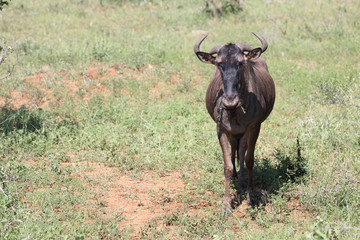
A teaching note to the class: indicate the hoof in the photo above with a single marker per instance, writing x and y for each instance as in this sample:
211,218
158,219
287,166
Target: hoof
251,203
242,185
226,211
239,198
242,189
250,198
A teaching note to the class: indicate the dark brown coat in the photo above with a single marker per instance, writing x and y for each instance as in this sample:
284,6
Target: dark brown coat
239,98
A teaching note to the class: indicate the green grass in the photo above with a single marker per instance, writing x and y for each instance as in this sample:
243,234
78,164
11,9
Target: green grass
152,118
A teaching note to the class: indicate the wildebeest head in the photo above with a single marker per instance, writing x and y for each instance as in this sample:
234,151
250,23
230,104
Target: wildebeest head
230,59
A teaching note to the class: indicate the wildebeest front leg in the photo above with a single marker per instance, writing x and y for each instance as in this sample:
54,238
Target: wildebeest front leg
225,144
252,136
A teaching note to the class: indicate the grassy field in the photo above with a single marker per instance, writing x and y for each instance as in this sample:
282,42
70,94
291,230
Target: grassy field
105,134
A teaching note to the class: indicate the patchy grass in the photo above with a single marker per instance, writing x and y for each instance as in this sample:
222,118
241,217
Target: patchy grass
104,132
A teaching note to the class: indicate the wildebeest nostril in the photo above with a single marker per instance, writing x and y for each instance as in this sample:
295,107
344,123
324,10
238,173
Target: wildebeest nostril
230,102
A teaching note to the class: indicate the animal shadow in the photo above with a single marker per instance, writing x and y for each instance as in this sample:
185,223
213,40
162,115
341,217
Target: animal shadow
270,176
25,120
20,119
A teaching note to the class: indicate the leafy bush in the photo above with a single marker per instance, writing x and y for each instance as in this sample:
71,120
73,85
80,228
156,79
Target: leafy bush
3,3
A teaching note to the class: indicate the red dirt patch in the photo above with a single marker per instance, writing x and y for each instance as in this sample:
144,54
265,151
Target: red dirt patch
140,199
48,90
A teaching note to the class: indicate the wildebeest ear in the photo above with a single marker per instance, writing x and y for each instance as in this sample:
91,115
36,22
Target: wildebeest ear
253,54
205,57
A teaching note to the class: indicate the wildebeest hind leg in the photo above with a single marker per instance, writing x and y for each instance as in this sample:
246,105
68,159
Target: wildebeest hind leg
233,151
252,137
241,156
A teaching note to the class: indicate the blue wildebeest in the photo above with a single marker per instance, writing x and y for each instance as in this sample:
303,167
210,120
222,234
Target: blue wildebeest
239,98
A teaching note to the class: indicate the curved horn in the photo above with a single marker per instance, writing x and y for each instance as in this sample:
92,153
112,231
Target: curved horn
212,51
264,44
197,45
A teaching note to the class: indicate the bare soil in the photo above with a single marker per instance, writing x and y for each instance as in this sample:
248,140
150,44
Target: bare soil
140,198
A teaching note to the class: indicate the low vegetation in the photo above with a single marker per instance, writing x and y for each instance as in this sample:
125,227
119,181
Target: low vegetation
104,91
